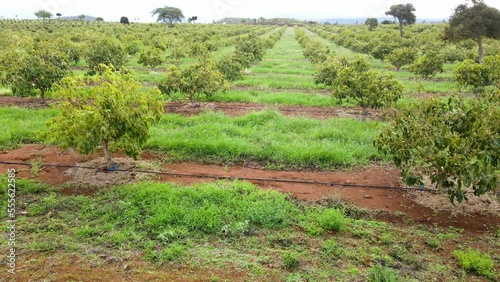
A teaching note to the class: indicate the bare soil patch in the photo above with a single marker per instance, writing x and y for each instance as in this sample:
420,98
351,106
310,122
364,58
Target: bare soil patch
239,109
393,204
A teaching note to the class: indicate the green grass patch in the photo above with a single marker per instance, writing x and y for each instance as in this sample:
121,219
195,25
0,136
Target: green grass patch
267,137
476,261
19,126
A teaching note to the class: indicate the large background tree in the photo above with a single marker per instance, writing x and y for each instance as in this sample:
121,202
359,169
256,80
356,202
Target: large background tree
115,113
168,15
474,22
43,14
404,14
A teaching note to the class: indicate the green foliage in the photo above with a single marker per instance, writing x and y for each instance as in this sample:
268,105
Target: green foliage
402,56
470,73
133,47
476,261
404,14
230,67
332,220
249,49
454,142
114,111
368,88
151,58
38,69
474,22
330,249
327,72
314,50
168,15
201,78
105,51
372,23
43,14
379,273
290,260
428,65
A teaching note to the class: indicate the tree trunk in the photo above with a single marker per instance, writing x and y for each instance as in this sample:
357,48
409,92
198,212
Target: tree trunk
42,96
480,47
107,156
401,29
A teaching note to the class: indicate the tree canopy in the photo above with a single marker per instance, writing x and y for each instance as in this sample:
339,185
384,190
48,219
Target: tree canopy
404,14
168,15
43,14
474,22
115,113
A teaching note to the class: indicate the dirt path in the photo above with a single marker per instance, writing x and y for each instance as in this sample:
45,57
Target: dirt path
231,109
389,201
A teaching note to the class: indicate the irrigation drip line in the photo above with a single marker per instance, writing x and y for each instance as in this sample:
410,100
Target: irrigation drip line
281,180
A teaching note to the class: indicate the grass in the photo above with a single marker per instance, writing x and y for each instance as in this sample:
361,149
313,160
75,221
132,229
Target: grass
289,98
267,137
222,226
20,126
476,261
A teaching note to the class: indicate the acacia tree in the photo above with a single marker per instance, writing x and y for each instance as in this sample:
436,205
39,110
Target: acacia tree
404,14
43,14
474,22
116,113
454,142
168,15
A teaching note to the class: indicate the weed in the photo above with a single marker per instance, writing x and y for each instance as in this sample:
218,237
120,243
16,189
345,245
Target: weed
313,229
35,165
379,273
433,243
330,249
290,260
332,219
474,260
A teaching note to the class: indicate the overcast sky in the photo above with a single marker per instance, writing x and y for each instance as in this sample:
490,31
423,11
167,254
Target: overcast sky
208,10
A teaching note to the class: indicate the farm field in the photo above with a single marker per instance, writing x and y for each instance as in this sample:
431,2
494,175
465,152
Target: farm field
271,177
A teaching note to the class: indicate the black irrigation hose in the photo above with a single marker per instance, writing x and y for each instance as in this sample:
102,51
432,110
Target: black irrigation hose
309,182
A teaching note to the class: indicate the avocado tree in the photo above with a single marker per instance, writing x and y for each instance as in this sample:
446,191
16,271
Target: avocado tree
404,14
369,88
200,78
402,56
474,22
105,51
428,65
124,21
453,142
37,69
115,113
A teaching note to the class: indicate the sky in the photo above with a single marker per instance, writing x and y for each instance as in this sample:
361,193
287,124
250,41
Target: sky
209,10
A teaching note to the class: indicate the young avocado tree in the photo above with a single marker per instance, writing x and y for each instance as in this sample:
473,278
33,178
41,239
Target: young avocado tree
105,51
474,22
115,113
201,78
369,88
37,69
454,142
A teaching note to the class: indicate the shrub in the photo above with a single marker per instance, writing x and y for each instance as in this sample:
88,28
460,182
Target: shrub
151,58
476,261
105,51
428,65
230,67
332,219
402,56
201,78
328,70
469,73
